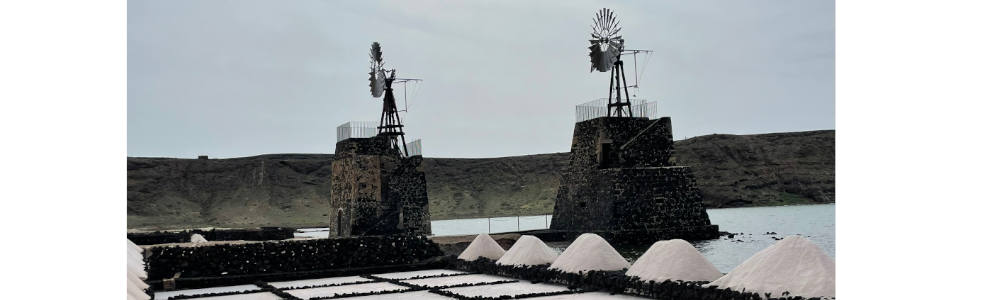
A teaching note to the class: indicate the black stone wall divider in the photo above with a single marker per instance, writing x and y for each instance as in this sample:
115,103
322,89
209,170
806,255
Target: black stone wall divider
288,256
185,296
614,282
264,288
164,237
279,292
440,275
324,285
229,264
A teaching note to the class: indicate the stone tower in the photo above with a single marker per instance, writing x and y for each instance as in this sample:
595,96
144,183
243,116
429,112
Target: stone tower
621,179
377,191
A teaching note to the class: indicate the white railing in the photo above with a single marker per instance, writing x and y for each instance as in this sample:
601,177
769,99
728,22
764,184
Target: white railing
490,225
641,108
415,148
357,129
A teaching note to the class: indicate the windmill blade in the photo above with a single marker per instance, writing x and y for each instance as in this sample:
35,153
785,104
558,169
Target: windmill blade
376,81
376,75
606,45
376,54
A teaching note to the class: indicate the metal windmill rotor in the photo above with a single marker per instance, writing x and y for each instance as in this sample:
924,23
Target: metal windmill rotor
606,42
380,81
376,75
606,46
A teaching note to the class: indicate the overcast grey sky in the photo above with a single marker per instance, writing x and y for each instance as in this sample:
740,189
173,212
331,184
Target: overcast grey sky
242,78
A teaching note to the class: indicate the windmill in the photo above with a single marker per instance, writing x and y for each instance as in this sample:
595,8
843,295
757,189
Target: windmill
380,82
606,47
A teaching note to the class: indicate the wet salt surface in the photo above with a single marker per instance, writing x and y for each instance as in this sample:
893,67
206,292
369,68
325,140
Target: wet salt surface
212,290
520,287
510,289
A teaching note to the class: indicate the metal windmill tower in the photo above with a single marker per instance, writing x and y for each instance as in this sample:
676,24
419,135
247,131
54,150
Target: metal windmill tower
606,47
380,81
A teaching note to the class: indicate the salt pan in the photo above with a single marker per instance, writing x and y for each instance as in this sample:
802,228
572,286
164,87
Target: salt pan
673,260
589,252
482,246
794,264
529,251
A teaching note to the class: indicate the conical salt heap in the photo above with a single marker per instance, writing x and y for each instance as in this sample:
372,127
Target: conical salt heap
794,264
528,251
673,260
589,252
482,246
136,272
198,238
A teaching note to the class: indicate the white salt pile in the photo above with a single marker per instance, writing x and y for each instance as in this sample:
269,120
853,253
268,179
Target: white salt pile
794,264
589,252
673,260
136,272
482,246
528,251
197,238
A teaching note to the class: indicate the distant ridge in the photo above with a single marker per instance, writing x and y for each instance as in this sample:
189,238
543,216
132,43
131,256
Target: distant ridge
293,189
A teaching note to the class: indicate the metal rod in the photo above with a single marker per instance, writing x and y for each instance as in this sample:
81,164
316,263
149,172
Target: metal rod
635,71
611,87
628,101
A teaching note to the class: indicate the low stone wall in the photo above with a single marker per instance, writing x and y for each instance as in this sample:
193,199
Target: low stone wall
292,256
615,282
164,237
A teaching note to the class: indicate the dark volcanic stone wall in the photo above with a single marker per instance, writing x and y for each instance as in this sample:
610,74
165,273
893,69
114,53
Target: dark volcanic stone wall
620,178
375,191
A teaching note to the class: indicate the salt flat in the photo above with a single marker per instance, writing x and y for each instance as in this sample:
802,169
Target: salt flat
318,281
455,280
345,289
509,289
212,290
411,274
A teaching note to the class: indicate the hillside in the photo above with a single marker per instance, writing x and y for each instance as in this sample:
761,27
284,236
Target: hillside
293,189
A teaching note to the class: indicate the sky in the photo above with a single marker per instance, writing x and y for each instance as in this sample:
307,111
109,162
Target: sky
500,78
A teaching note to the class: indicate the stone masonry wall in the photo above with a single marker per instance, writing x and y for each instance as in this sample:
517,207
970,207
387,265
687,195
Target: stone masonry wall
375,191
620,178
408,184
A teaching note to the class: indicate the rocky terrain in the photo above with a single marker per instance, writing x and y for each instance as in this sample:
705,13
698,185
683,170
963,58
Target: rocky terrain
293,189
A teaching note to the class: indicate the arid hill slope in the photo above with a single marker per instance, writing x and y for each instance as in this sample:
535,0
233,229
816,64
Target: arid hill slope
293,189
